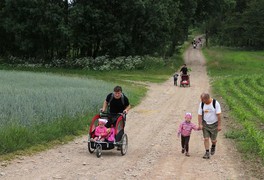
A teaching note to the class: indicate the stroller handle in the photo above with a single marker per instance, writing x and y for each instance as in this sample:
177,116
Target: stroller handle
112,114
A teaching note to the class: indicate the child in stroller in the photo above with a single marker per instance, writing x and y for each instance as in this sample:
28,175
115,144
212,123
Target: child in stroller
101,132
111,134
114,136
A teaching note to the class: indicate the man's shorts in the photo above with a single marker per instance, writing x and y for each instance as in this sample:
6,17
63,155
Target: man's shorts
210,130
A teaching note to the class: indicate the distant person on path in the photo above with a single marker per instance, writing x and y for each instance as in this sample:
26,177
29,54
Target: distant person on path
184,131
175,79
209,119
184,69
194,43
200,41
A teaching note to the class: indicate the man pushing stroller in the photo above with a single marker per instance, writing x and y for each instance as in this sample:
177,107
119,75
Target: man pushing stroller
115,102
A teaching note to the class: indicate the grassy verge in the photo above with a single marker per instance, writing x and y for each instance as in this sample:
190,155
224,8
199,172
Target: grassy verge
237,78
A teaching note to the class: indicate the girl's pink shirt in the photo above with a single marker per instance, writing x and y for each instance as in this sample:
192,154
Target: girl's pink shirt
186,128
100,131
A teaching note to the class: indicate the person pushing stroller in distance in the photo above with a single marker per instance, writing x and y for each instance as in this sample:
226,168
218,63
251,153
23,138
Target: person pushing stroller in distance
185,77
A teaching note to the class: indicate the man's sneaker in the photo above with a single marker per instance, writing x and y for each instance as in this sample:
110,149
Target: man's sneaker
212,150
183,150
206,155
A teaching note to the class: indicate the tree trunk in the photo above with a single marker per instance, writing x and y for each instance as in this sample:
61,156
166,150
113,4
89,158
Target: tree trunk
206,37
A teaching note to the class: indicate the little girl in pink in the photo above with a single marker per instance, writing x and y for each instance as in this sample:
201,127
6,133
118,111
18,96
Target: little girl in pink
185,130
101,131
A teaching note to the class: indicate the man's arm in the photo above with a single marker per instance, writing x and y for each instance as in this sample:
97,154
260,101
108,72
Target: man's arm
181,70
105,104
127,109
219,127
200,120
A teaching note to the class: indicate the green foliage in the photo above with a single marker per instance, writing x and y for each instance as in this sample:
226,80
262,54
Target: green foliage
104,63
234,134
241,25
238,79
253,24
234,23
17,137
156,66
233,62
33,28
57,30
46,97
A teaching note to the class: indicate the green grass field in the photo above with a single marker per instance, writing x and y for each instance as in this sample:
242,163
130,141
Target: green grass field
40,107
238,79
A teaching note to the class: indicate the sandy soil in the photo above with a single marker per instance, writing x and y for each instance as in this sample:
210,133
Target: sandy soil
154,150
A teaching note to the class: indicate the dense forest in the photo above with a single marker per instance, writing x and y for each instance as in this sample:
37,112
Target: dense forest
45,30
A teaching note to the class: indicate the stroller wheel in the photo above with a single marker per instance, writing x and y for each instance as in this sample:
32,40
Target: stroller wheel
98,150
90,149
124,144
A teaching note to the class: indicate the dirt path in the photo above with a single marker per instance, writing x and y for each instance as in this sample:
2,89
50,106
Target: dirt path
154,149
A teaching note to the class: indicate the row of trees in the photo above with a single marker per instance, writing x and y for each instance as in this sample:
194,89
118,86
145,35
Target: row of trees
60,29
43,29
237,23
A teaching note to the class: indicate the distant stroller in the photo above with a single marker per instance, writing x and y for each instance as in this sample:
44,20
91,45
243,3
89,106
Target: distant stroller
185,80
175,79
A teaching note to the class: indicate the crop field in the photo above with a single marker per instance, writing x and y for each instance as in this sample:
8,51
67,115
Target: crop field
244,96
237,77
36,108
29,98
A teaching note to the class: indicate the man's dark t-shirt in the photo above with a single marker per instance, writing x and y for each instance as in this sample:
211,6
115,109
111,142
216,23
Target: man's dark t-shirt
116,105
184,70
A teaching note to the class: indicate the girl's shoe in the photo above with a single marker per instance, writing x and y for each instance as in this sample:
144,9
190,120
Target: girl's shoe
183,150
187,154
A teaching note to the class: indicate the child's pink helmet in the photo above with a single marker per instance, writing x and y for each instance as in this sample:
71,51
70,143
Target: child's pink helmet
189,115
